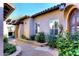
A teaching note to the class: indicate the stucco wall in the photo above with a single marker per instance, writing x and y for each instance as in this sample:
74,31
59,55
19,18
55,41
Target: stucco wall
31,27
26,27
5,30
20,30
29,24
43,20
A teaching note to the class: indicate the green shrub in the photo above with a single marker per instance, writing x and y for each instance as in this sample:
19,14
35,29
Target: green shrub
69,50
77,35
32,37
67,46
24,37
5,39
9,49
51,42
40,37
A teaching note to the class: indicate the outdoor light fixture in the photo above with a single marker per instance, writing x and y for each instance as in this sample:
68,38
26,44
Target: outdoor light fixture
62,6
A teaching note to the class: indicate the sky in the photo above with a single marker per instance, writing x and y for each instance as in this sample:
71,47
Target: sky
29,9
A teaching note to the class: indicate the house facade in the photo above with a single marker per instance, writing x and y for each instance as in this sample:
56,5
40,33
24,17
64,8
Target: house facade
65,14
8,9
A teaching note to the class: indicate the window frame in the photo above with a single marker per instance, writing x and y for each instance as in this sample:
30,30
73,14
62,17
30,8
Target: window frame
37,29
54,20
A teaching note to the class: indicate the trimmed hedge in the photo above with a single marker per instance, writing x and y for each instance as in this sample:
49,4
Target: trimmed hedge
5,39
51,41
24,37
40,37
32,37
9,49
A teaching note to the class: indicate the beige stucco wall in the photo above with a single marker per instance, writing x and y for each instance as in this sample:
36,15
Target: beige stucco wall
26,27
20,30
5,30
31,27
43,20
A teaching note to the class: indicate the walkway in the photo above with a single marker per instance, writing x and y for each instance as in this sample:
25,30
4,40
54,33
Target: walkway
30,49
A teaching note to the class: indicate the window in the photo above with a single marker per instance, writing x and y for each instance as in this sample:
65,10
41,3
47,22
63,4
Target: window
77,28
9,29
77,19
10,33
73,20
72,30
37,27
53,24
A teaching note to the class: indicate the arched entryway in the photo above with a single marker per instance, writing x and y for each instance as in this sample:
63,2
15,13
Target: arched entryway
71,14
16,31
74,21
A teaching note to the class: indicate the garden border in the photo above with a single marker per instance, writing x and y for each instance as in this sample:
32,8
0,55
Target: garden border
17,52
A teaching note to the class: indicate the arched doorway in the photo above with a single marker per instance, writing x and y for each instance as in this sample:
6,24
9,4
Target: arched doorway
74,21
71,14
16,30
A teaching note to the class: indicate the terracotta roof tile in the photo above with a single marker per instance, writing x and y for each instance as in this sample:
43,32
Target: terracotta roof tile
48,10
39,13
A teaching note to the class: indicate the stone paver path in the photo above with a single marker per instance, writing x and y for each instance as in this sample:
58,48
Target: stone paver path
29,49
